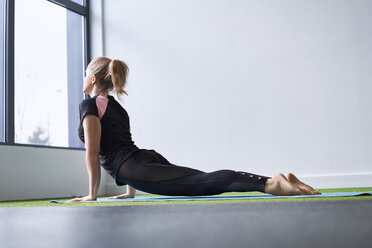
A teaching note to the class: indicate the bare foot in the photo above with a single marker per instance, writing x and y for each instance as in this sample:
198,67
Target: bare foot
294,180
279,185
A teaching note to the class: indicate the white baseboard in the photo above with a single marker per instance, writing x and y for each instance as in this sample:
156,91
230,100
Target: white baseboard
354,180
350,180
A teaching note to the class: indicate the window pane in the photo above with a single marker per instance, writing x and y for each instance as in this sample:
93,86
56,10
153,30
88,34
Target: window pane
75,72
41,73
2,96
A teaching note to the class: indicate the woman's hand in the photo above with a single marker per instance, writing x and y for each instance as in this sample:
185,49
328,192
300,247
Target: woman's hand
123,196
85,198
131,192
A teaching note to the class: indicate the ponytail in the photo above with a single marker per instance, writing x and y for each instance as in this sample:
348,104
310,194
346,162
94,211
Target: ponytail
118,71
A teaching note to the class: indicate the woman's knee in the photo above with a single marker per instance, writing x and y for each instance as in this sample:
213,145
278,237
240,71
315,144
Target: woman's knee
223,175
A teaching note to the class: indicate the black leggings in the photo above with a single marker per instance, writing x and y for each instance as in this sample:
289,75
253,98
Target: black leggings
149,171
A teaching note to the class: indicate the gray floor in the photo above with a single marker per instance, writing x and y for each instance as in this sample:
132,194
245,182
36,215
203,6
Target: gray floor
338,223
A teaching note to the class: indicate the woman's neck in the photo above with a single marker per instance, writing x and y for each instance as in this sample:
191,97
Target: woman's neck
98,93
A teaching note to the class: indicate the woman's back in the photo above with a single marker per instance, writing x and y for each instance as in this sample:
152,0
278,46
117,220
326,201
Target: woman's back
116,140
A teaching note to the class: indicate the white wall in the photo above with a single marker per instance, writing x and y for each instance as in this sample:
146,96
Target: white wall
261,86
36,173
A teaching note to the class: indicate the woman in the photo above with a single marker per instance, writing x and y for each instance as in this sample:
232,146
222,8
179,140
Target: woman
105,130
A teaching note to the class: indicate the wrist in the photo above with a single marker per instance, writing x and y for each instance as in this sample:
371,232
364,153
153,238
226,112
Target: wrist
93,196
129,195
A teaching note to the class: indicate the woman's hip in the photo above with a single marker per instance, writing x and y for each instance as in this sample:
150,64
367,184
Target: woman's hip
145,156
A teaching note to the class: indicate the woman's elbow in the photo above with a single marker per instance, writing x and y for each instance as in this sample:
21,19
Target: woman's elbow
92,153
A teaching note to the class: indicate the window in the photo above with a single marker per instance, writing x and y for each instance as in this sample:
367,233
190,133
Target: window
49,61
2,44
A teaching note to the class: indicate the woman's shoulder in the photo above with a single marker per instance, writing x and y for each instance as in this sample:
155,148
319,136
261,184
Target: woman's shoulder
88,106
88,102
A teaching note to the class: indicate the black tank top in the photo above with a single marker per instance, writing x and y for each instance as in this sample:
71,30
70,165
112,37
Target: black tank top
116,140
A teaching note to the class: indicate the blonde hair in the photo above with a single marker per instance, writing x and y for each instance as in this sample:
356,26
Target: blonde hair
111,73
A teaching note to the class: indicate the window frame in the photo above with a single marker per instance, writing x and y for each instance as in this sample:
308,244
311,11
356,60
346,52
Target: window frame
9,12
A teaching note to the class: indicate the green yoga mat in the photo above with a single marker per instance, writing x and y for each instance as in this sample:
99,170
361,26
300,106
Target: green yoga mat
223,197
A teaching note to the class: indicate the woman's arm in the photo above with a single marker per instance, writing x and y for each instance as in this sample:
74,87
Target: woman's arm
131,192
92,135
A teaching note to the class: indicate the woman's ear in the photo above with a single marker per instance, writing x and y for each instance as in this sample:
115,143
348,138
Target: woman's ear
94,79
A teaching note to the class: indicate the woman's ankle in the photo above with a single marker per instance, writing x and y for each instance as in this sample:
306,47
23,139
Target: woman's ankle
270,185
